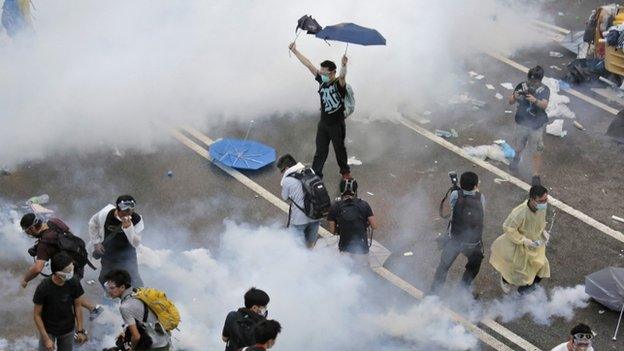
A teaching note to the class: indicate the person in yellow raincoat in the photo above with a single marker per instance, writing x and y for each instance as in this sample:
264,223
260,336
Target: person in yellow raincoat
519,255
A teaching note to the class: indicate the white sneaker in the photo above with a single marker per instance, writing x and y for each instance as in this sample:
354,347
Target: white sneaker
506,287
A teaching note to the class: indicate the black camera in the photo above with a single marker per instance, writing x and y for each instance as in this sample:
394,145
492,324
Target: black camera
525,90
33,251
453,176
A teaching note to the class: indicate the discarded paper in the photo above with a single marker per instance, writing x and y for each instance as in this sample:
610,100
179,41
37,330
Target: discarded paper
556,128
490,86
354,161
555,54
498,96
507,86
409,253
578,125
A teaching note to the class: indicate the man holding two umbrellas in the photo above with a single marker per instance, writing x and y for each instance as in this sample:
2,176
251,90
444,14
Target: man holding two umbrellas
331,127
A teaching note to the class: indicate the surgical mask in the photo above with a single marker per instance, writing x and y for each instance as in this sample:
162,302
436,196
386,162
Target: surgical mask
263,312
541,207
324,78
66,275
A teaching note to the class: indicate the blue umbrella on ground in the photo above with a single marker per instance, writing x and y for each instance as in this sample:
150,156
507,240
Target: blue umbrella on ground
242,154
352,33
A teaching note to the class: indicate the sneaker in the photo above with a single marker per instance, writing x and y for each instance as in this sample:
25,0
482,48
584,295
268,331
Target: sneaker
97,311
536,180
506,287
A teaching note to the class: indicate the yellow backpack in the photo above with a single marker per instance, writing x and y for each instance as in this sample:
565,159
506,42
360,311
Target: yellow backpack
156,300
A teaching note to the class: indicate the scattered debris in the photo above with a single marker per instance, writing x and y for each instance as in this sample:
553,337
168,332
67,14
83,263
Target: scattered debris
349,141
616,218
498,96
500,180
39,200
555,54
117,152
556,128
508,111
409,253
4,172
445,134
601,311
91,282
169,174
369,193
483,152
477,103
38,209
428,170
354,161
557,104
604,192
564,85
578,125
490,86
423,120
555,67
479,77
470,139
427,113
507,86
256,196
473,74
392,175
560,14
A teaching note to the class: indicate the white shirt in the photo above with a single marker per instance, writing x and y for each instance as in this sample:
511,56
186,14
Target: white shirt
564,347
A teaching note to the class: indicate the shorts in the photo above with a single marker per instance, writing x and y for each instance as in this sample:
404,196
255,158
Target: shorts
526,137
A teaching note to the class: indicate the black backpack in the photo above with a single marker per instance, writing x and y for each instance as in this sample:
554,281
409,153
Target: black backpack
352,224
467,220
71,244
243,334
316,201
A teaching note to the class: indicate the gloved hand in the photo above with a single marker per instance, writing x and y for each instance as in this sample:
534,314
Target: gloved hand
530,244
546,236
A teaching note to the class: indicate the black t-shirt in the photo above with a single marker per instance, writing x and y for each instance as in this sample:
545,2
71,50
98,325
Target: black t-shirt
351,217
529,114
116,244
58,304
332,100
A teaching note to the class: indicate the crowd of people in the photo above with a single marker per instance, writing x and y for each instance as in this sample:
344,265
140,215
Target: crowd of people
519,255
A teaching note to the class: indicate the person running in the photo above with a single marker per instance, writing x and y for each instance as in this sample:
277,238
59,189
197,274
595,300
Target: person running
146,332
466,232
350,218
265,333
238,327
331,127
580,339
115,233
57,312
532,99
519,255
47,234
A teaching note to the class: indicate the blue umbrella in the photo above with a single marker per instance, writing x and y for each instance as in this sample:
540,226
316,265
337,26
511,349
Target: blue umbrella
241,154
352,33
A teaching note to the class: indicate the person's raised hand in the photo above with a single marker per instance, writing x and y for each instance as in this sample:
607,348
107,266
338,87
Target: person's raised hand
292,47
345,59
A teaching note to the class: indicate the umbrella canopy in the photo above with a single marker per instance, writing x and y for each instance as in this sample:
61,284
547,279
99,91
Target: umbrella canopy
241,154
352,33
616,128
308,24
607,287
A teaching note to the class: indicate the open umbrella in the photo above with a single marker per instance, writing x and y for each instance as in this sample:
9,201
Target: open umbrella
607,287
241,154
308,24
352,33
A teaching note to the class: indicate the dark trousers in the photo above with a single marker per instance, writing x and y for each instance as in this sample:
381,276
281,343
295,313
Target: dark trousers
335,134
527,289
452,249
129,264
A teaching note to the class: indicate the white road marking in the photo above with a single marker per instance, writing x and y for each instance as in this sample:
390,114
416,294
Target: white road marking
551,27
519,183
381,271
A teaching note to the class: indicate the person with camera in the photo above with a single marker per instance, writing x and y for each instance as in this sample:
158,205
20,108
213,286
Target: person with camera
519,255
115,233
47,233
350,217
143,329
532,99
465,231
57,312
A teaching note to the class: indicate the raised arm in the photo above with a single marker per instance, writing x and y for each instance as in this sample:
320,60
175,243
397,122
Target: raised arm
342,78
304,60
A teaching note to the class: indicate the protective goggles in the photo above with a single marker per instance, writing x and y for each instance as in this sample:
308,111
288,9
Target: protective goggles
583,337
126,205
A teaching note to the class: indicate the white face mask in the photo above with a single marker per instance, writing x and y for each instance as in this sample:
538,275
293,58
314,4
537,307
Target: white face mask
66,275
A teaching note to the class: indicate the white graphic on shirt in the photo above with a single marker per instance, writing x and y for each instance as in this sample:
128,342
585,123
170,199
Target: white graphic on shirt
330,98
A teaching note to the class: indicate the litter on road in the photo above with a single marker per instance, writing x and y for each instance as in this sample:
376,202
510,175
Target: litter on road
578,125
369,193
479,77
556,128
490,86
354,161
507,86
492,152
498,96
557,104
446,134
555,54
508,112
556,68
409,253
500,180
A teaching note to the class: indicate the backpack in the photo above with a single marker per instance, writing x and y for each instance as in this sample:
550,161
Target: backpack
352,224
69,243
467,220
165,310
316,201
349,101
243,334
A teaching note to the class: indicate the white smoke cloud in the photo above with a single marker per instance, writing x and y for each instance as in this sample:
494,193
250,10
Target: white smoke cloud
99,73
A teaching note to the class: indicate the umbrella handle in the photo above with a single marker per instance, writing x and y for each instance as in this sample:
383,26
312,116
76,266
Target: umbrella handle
618,324
346,48
296,36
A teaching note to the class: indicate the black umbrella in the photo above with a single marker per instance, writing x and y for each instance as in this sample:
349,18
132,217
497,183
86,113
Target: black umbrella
607,287
616,128
308,24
